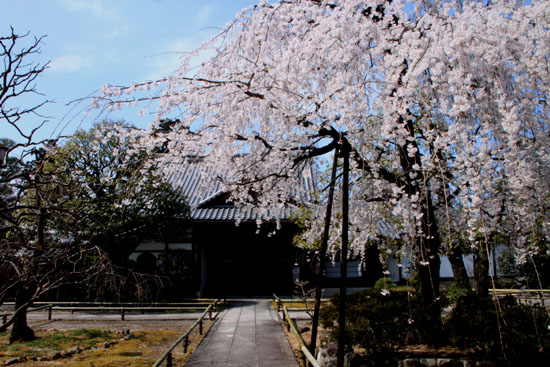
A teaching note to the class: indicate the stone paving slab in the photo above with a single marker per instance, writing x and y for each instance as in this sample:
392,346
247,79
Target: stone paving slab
248,334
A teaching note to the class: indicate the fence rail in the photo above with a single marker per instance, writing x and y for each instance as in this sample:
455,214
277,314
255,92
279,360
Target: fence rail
202,301
280,302
516,292
308,356
185,337
122,308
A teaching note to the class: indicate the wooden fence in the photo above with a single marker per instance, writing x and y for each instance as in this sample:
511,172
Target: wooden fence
306,354
167,356
121,308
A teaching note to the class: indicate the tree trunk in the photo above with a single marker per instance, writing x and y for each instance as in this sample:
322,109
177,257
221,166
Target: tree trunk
427,242
460,275
23,299
428,275
482,272
429,245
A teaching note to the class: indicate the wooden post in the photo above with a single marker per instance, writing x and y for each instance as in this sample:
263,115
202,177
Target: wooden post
4,318
169,360
200,327
322,256
210,313
185,344
49,312
122,313
343,261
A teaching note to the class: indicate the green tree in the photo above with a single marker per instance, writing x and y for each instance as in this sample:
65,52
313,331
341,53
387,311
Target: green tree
110,181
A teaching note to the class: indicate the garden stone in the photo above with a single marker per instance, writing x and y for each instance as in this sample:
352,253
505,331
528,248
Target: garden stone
411,363
486,364
428,362
327,355
450,363
15,360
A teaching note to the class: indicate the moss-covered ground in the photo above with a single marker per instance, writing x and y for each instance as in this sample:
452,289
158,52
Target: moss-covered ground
143,348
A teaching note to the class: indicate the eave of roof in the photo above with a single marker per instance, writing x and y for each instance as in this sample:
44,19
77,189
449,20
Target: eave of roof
200,189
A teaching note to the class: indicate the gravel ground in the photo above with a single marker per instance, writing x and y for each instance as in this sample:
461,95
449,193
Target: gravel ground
113,325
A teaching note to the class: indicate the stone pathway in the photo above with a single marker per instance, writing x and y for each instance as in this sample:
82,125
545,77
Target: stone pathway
247,334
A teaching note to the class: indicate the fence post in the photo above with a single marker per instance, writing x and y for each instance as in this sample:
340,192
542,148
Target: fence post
169,360
49,312
200,327
210,313
185,344
122,313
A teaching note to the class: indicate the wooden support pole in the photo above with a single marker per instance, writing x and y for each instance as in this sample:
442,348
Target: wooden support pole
200,327
50,312
322,256
122,313
343,262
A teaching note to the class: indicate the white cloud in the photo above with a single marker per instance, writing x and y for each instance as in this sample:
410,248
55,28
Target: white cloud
69,63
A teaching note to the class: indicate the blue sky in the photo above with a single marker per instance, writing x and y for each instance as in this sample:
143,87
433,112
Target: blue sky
94,42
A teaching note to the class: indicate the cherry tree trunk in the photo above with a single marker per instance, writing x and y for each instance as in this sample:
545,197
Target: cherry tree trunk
460,275
427,242
482,272
428,275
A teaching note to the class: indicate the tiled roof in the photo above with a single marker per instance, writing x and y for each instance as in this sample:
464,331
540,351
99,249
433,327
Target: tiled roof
200,188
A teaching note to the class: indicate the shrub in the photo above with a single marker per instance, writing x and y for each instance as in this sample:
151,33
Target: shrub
383,283
382,324
505,331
